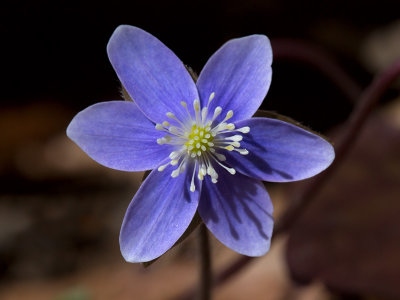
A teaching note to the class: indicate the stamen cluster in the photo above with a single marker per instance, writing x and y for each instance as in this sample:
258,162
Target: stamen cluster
199,143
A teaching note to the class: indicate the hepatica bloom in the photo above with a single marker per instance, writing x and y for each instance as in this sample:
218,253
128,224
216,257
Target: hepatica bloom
205,151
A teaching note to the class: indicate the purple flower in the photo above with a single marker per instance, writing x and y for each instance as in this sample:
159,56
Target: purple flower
207,153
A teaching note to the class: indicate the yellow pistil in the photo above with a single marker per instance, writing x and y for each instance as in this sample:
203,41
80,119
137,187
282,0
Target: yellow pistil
199,140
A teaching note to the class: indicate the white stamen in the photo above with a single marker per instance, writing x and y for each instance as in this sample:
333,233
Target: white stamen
217,112
174,155
229,115
204,113
245,129
197,138
210,98
161,168
230,126
159,127
235,138
221,157
192,186
242,151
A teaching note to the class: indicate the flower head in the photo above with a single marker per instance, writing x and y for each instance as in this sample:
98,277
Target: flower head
206,151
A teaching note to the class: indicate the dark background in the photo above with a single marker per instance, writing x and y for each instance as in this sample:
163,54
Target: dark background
55,50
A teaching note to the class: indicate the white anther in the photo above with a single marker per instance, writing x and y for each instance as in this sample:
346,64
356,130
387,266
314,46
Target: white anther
170,115
161,168
204,113
175,173
198,145
242,151
229,115
199,153
207,136
203,148
174,162
200,176
196,105
183,103
161,141
203,170
210,144
174,130
211,97
211,171
217,112
231,170
159,127
221,157
245,129
165,124
174,155
235,138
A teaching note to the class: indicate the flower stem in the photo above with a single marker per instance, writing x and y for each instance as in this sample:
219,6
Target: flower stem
205,264
368,100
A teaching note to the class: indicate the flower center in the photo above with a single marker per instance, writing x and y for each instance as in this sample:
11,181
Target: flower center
199,142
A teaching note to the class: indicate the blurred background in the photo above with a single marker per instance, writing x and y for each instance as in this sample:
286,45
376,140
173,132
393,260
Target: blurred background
60,212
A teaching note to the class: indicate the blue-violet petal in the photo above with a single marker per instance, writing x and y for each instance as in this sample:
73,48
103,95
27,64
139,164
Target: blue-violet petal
238,211
280,151
117,135
151,73
240,75
158,215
